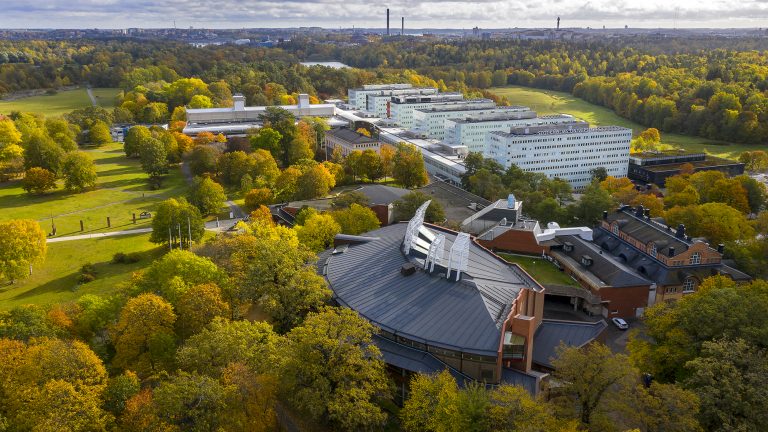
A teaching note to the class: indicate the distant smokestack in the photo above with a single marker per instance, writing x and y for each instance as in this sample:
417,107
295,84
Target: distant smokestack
558,23
387,21
402,26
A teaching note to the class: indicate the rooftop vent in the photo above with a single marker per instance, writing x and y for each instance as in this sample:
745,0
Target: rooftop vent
586,260
407,269
568,246
680,232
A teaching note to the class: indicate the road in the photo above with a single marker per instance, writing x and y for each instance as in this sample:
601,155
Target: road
218,226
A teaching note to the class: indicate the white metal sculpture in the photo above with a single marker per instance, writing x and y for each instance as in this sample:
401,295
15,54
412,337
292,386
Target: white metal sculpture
412,232
459,257
435,254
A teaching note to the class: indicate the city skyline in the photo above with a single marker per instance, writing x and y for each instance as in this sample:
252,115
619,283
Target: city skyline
420,15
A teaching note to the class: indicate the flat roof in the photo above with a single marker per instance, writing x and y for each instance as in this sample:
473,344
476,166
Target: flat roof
559,130
709,161
257,108
464,316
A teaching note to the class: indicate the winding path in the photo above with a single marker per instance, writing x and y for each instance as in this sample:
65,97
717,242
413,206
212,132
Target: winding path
91,96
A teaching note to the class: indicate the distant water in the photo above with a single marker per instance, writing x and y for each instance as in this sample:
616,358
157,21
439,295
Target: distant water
332,64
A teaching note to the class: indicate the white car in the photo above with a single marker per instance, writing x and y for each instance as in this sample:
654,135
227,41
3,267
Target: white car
620,323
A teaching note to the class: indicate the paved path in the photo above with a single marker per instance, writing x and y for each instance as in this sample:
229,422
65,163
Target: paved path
90,95
222,225
99,235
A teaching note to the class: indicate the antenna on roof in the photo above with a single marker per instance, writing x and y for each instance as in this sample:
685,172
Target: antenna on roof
459,257
412,232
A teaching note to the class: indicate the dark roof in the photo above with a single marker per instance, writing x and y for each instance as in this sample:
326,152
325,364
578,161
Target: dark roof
529,382
381,194
464,316
413,359
647,231
610,270
351,136
551,333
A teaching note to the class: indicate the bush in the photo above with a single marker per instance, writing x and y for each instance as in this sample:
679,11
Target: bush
87,273
124,258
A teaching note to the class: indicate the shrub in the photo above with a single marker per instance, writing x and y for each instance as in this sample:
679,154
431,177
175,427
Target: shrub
87,273
126,258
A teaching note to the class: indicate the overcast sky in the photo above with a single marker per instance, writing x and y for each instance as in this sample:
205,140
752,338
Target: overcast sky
348,13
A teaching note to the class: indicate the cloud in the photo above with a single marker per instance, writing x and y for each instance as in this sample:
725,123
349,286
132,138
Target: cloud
360,13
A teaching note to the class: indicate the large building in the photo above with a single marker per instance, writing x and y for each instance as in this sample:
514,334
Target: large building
400,108
567,151
675,262
239,118
383,105
471,131
441,301
347,141
358,97
430,121
655,167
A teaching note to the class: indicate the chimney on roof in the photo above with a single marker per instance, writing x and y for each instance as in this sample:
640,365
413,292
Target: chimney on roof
647,213
639,211
605,214
680,233
720,248
671,252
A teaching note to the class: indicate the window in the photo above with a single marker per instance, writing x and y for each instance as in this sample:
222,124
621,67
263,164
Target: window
689,285
615,228
670,290
652,249
695,258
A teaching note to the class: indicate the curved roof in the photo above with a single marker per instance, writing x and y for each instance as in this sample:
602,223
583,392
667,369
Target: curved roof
465,316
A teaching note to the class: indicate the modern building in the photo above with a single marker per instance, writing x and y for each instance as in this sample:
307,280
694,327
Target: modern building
400,108
567,151
358,97
442,301
471,130
347,141
672,260
430,121
240,118
383,105
436,293
655,167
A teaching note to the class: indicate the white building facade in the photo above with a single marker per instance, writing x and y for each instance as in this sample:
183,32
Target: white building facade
401,108
430,121
471,131
569,152
358,97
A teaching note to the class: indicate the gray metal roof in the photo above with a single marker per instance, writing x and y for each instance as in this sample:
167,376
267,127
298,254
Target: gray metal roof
551,333
464,316
609,269
413,359
381,194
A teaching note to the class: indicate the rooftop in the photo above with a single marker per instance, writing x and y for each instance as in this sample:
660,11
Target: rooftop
351,136
559,129
550,333
466,315
608,270
709,161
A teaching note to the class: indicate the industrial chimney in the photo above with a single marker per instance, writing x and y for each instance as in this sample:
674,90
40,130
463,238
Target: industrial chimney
558,23
387,21
402,26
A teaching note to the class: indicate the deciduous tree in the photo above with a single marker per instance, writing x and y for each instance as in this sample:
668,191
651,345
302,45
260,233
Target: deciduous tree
38,180
408,166
175,218
22,245
79,171
406,206
99,133
206,195
198,306
318,232
356,219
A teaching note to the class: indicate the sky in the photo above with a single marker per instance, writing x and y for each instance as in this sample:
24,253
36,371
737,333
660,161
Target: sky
371,14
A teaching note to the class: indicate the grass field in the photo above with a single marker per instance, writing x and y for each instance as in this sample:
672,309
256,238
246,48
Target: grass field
542,270
122,190
55,281
552,102
60,103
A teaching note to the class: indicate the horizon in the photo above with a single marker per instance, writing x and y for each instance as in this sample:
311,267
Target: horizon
331,14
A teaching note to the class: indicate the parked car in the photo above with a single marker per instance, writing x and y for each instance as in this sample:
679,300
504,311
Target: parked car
620,323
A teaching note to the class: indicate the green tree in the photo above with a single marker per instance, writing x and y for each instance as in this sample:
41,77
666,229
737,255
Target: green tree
406,206
487,184
200,101
334,372
267,139
258,197
599,173
408,166
26,322
318,232
177,272
99,133
154,160
41,151
195,402
356,219
119,389
204,160
731,378
175,220
79,171
207,195
591,377
22,245
135,137
143,335
592,204
38,180
345,199
314,182
252,343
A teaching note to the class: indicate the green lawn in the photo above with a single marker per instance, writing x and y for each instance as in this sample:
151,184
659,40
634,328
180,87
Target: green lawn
55,281
122,190
552,102
542,270
60,103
